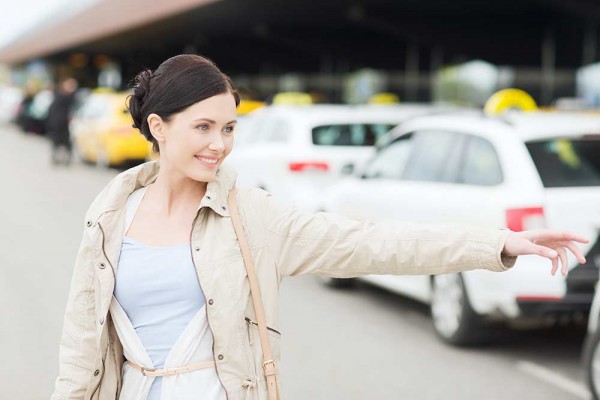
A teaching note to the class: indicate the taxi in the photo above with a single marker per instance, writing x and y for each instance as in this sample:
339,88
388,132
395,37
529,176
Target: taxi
102,131
509,166
295,149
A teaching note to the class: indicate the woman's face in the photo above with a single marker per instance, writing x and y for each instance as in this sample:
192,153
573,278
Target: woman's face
197,139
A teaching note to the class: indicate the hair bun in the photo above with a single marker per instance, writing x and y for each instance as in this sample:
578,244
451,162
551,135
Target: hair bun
141,88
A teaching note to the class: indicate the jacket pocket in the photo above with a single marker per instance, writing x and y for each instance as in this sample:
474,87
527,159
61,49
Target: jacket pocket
255,345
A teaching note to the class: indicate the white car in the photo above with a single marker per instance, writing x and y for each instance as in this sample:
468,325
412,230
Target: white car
524,170
296,152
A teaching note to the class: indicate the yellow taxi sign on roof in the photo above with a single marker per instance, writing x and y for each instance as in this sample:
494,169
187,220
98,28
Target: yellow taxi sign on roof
247,106
292,98
507,99
103,90
384,98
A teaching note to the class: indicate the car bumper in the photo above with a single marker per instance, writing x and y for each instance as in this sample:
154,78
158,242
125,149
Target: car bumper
575,303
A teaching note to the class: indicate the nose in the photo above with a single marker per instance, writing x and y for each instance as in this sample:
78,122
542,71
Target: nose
217,143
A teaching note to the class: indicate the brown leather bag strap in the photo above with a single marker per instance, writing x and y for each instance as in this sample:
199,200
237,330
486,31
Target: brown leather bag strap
268,362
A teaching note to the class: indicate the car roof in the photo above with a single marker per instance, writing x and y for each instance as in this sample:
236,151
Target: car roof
545,124
528,126
321,113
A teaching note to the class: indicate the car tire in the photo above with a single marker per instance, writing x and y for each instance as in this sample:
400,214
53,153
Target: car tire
454,320
591,361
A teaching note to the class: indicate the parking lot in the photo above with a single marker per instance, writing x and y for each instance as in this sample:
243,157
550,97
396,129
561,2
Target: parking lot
362,343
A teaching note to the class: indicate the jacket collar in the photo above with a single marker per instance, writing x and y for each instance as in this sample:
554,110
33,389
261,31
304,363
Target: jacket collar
114,195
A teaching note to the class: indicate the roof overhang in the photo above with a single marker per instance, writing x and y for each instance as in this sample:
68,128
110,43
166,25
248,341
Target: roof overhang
101,19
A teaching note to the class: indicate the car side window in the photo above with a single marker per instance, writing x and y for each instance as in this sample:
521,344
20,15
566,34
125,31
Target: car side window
390,160
429,160
480,165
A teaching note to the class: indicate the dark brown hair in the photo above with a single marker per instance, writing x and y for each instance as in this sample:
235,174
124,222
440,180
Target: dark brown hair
176,84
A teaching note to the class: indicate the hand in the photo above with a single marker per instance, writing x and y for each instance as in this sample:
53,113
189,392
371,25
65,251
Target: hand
546,243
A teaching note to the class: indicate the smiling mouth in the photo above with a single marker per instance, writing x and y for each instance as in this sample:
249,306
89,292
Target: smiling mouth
208,162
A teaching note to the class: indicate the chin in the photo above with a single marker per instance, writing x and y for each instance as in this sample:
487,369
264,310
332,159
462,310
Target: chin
203,176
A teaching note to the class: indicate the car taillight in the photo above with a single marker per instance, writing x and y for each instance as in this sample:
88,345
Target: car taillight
521,219
309,165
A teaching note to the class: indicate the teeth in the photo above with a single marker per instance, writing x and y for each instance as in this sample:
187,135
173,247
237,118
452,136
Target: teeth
209,161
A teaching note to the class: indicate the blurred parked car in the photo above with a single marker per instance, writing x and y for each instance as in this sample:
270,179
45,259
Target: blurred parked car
32,114
522,170
591,347
102,133
10,99
296,151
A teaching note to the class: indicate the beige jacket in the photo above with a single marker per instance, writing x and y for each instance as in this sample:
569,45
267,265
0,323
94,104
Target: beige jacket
284,242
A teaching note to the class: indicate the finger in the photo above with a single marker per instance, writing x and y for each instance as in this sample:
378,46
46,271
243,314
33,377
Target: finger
542,251
562,253
554,265
547,234
575,250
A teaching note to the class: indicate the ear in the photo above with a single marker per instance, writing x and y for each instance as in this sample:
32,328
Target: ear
157,127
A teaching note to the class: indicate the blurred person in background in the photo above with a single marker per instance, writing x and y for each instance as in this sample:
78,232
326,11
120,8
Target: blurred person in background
160,305
57,123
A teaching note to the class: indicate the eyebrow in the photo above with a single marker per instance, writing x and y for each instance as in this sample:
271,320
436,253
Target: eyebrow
214,122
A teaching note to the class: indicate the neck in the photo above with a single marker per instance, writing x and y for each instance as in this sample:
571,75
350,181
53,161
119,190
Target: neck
173,192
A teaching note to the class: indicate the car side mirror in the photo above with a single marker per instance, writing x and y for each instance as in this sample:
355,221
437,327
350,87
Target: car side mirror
347,169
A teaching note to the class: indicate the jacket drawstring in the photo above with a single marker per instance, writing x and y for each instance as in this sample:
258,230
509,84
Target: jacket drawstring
248,384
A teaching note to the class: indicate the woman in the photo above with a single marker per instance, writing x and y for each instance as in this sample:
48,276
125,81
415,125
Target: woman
159,310
57,123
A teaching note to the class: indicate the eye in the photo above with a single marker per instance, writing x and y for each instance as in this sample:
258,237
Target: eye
203,127
229,130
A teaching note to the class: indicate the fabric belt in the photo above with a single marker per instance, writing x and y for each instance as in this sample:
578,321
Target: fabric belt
171,371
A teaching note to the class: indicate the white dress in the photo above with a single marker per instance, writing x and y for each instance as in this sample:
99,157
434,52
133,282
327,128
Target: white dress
192,342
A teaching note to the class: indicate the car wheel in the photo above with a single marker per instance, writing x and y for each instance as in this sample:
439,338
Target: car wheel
454,320
592,363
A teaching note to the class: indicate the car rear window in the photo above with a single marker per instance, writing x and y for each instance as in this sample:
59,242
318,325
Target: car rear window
349,134
567,162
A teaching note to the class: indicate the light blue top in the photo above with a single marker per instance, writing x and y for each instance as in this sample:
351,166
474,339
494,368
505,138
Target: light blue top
158,289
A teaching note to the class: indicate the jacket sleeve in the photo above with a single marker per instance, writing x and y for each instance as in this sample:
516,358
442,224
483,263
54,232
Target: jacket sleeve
78,344
336,246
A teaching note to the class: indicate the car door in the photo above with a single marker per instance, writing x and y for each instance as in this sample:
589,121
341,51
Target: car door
410,180
479,196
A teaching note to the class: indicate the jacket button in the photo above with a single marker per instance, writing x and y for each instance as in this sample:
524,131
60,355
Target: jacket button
211,302
101,320
102,265
223,208
96,372
197,248
89,223
221,357
208,198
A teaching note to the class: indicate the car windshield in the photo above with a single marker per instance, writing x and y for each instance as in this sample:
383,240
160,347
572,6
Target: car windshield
358,134
567,162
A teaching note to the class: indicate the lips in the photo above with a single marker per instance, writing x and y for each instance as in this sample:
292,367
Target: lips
208,161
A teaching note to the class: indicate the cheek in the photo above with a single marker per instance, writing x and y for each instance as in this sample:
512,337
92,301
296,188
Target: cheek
228,145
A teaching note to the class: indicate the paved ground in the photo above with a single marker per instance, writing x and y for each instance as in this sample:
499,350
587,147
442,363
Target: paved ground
359,344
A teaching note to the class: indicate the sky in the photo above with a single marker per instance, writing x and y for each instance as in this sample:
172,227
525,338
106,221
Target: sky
18,17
